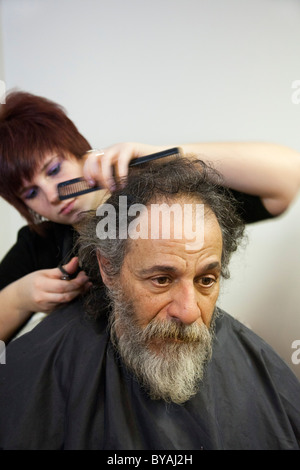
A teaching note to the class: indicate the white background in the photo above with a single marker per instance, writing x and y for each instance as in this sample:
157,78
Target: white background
172,72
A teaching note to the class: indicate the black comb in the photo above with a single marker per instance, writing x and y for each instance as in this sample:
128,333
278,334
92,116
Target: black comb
77,186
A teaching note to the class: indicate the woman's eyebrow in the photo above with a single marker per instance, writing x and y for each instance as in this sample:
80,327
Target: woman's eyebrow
26,187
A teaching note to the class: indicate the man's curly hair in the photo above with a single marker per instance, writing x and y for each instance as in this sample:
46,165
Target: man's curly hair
165,181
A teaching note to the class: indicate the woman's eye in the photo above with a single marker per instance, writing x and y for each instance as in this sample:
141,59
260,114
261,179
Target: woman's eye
31,193
54,170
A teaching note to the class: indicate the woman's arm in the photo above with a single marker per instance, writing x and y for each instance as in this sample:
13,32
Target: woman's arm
267,170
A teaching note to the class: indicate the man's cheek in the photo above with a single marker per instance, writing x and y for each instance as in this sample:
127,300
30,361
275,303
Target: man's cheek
147,307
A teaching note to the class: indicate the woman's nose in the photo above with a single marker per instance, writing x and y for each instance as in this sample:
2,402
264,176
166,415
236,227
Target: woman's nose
52,193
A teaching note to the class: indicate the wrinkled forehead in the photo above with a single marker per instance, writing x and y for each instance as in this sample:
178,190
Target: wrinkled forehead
183,225
177,219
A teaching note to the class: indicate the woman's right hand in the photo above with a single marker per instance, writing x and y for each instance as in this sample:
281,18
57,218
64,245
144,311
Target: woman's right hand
99,164
44,290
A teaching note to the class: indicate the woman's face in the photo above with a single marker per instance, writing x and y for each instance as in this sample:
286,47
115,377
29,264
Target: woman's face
40,194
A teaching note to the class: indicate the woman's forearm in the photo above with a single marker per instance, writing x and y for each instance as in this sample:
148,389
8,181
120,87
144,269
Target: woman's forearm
13,311
267,170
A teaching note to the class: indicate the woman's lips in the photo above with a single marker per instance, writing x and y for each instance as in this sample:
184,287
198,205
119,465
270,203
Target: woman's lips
67,208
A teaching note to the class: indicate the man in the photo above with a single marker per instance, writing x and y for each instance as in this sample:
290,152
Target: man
163,368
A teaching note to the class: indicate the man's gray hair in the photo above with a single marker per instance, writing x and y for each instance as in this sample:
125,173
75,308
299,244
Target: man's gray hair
156,182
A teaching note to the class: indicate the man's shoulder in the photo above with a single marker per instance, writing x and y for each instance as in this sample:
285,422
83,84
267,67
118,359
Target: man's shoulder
67,329
229,327
246,349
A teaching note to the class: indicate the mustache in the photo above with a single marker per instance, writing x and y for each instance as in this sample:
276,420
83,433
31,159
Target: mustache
173,330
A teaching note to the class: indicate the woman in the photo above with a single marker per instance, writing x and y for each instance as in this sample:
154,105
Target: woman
41,147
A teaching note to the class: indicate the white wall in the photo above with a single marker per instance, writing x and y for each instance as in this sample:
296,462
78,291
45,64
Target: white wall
10,218
175,71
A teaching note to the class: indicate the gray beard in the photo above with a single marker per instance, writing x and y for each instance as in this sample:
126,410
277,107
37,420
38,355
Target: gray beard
168,370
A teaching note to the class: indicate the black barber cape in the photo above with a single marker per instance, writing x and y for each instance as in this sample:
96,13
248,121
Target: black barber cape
63,387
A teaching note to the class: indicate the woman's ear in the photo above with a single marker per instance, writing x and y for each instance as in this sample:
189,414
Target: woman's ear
104,264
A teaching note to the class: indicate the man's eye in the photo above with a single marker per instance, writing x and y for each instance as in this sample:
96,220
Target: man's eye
31,193
54,169
161,280
207,281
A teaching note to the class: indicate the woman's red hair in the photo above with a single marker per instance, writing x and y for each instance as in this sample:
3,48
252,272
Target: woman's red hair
30,127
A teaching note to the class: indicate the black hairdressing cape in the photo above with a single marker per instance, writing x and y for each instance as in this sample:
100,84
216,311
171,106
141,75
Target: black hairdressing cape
63,387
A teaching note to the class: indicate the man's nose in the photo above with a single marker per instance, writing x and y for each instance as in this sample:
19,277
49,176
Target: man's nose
185,305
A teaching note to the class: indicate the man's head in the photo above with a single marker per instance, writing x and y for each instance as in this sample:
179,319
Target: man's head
163,290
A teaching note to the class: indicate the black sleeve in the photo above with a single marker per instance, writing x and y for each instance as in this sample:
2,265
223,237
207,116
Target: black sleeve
250,208
32,252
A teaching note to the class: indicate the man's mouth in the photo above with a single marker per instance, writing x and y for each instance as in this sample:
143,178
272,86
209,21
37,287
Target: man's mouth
67,208
173,334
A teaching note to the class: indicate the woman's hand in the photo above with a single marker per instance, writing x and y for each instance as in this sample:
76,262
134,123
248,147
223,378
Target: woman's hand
99,164
40,291
44,290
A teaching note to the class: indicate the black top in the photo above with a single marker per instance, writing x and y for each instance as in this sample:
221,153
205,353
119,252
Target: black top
32,251
63,387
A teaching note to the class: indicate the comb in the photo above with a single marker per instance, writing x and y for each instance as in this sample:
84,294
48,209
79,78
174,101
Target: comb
78,186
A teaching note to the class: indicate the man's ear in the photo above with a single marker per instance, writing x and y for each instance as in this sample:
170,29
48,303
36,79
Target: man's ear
104,264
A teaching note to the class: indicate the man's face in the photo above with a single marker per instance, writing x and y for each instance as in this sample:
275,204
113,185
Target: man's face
166,281
163,303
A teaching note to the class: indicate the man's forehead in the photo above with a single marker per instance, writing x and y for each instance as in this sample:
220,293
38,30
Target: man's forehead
170,251
178,219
